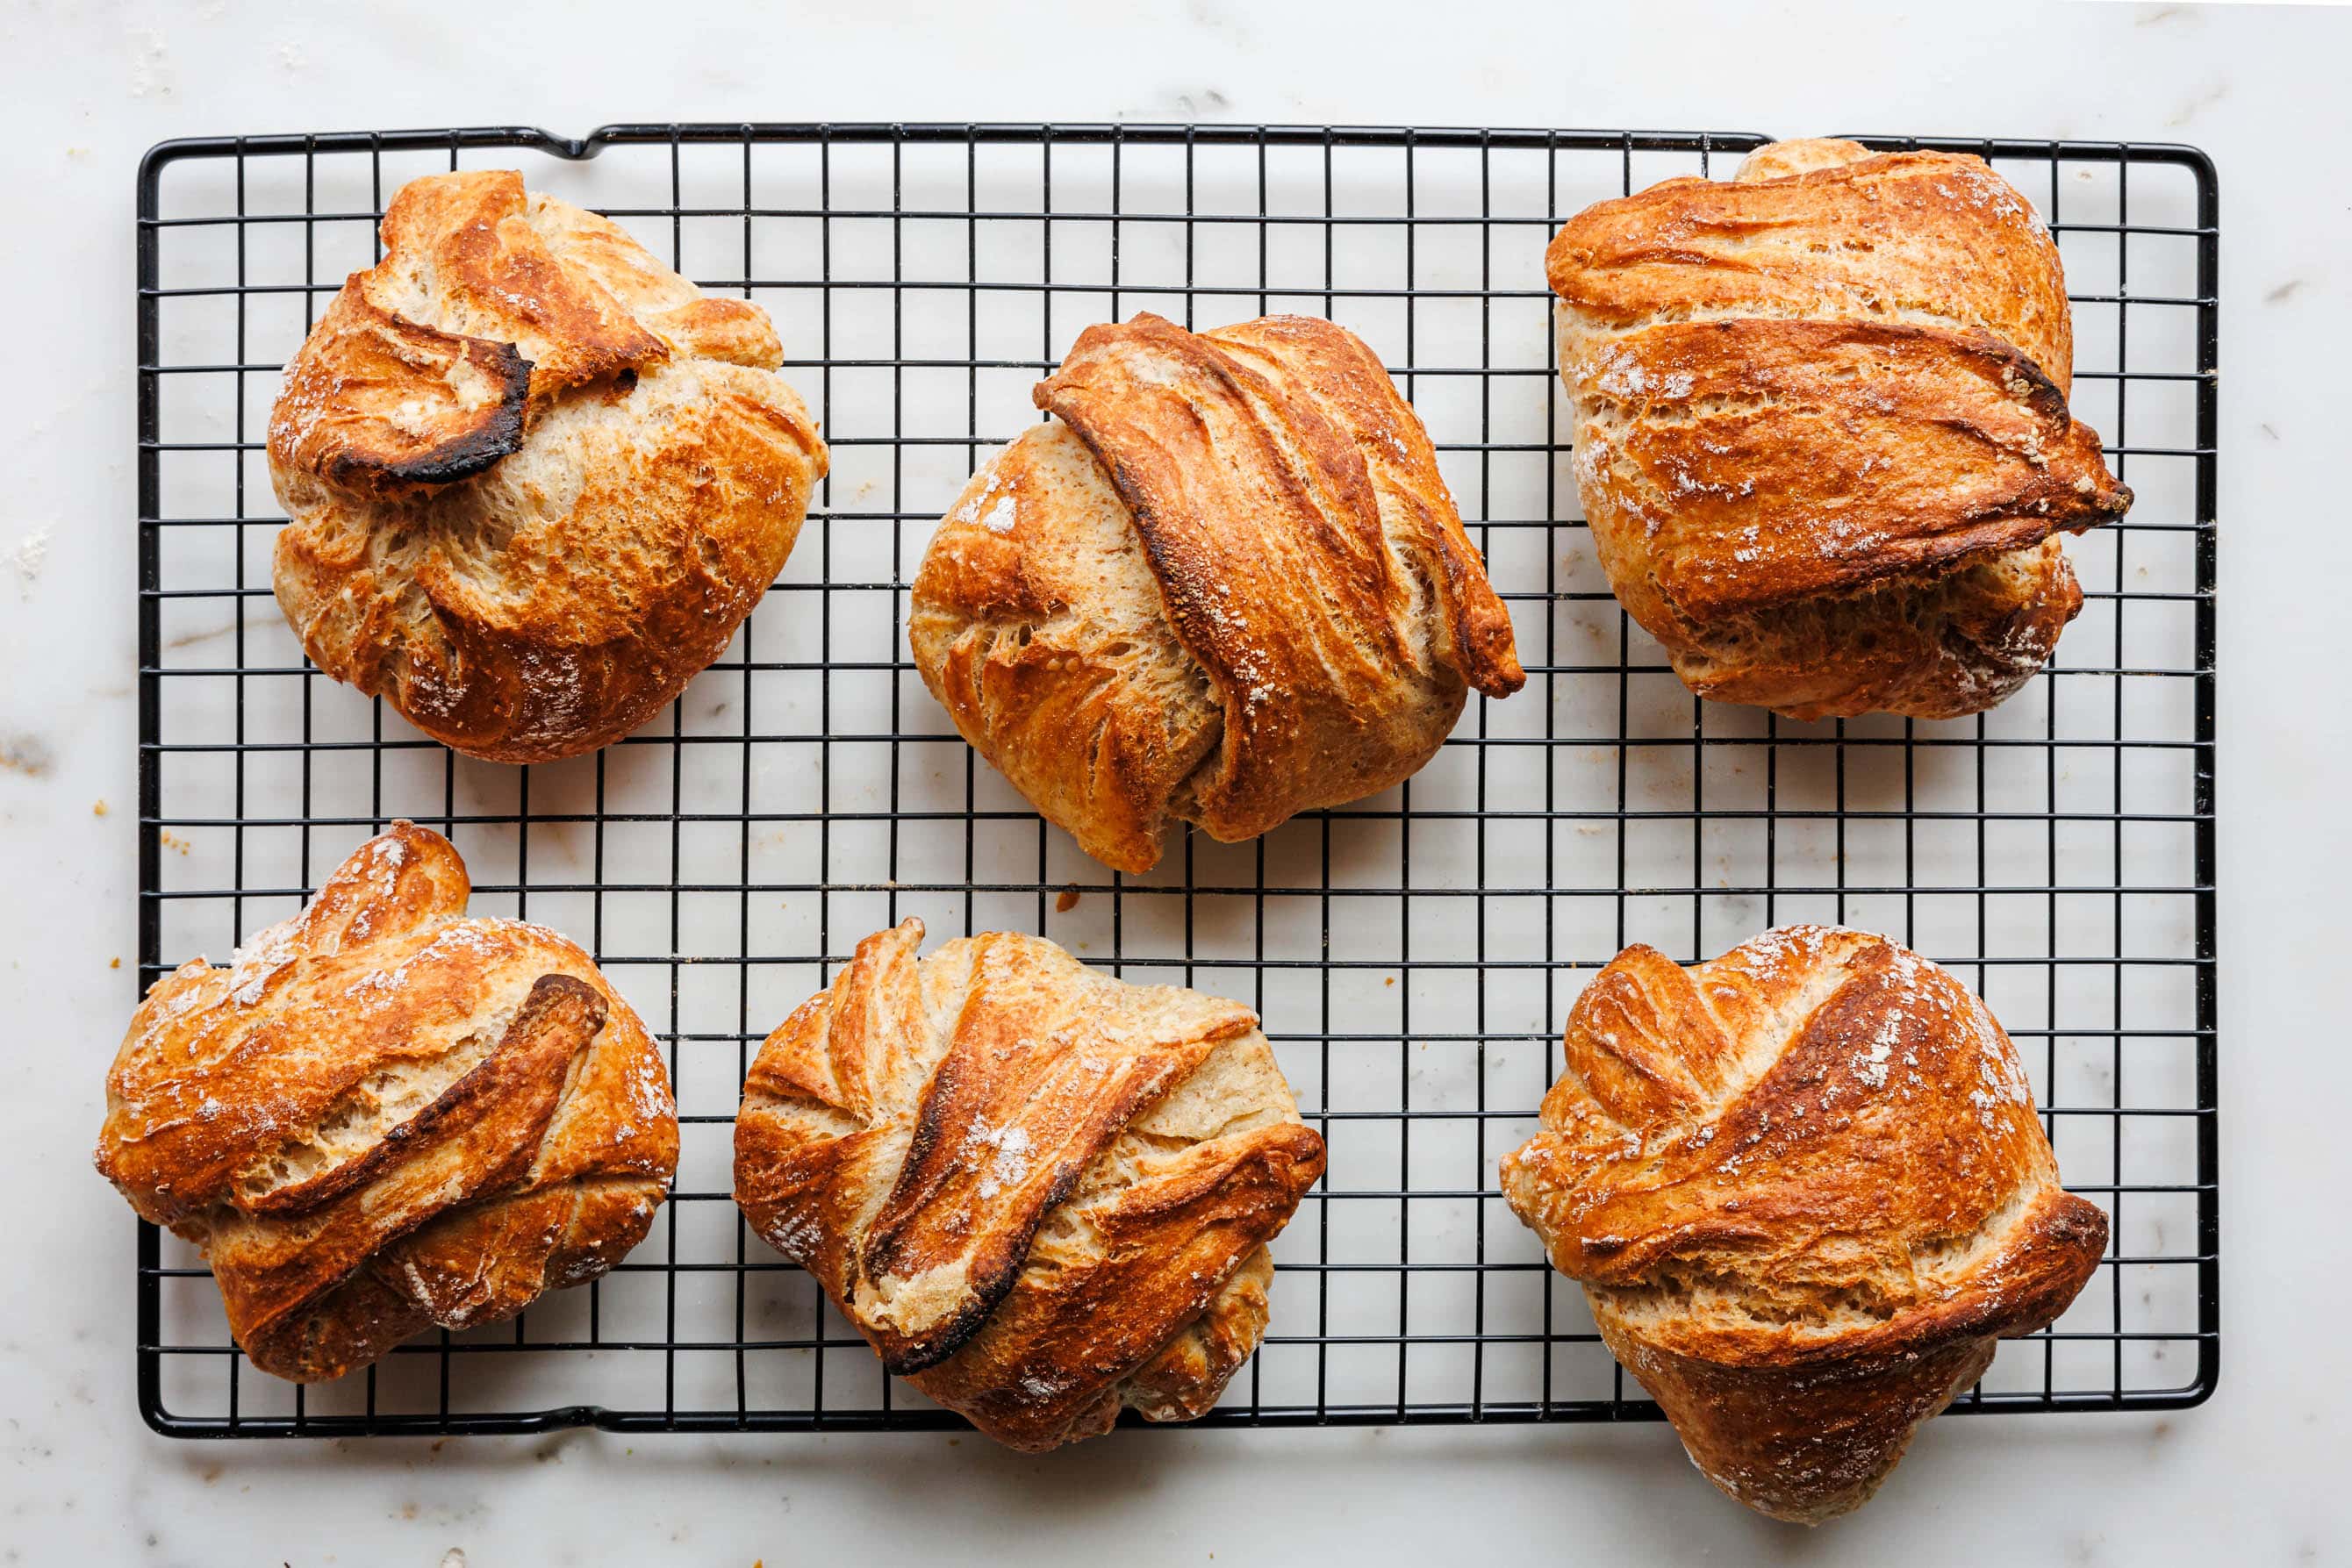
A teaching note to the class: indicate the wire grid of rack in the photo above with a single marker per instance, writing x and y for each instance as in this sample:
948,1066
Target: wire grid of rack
1412,956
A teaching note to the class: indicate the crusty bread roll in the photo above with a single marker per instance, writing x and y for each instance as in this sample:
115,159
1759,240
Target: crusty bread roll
534,479
1822,429
383,1115
1042,1194
1225,583
1805,1191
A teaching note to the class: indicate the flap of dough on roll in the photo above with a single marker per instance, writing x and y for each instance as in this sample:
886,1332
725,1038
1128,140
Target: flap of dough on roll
378,404
428,368
1932,238
1769,461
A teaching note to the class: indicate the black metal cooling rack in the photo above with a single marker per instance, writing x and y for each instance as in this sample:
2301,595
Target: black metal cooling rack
1413,957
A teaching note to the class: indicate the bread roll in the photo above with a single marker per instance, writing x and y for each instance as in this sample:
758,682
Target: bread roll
1822,429
534,479
1224,584
1805,1191
1042,1194
384,1115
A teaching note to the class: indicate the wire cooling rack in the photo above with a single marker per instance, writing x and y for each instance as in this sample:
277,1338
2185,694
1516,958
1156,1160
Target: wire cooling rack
1412,956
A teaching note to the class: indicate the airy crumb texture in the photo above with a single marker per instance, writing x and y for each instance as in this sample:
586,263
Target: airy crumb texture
383,1115
1224,584
534,478
1822,429
1042,1194
1805,1191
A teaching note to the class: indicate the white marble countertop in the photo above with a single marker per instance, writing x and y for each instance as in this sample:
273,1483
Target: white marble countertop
2254,1473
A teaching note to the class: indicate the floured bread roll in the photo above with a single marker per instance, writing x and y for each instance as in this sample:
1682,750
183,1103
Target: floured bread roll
1224,584
1042,1194
534,478
385,1116
1822,431
1805,1191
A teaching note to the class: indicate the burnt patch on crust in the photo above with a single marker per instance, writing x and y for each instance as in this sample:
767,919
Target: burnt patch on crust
376,404
460,456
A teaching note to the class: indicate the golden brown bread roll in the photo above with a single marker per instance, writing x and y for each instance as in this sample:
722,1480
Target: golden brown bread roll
1822,429
1041,1194
1805,1191
1225,583
534,478
384,1115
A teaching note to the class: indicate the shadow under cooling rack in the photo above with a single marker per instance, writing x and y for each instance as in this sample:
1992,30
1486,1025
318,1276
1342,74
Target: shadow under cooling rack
1413,957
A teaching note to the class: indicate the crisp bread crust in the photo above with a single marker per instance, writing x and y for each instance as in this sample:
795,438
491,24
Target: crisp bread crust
1042,1195
1805,1190
1224,584
534,479
1822,428
384,1115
